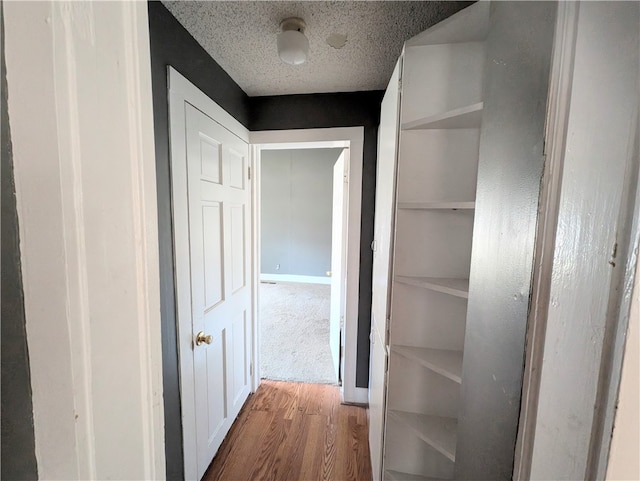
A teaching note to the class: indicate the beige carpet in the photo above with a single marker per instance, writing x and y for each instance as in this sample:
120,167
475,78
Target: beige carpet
294,333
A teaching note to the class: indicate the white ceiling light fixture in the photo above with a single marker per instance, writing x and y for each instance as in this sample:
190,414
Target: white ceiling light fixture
293,46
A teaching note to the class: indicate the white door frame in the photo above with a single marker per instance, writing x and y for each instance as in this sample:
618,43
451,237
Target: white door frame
564,430
352,137
181,91
82,134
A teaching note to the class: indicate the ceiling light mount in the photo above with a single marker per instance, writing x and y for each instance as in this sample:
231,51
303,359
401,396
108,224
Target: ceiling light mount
293,23
293,46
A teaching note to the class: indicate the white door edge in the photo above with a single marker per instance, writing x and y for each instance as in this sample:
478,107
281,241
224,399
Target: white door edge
352,137
339,212
254,153
181,91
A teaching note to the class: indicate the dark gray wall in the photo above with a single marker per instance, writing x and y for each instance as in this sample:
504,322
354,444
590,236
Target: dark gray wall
296,200
172,45
18,443
509,173
337,110
342,110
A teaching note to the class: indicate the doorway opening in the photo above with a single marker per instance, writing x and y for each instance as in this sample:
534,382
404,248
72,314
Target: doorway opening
301,246
307,264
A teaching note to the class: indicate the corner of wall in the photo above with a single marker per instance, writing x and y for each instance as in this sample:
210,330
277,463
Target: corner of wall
18,439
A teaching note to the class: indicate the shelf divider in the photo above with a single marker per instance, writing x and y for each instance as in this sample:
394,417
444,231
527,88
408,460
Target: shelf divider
439,432
467,117
444,362
453,287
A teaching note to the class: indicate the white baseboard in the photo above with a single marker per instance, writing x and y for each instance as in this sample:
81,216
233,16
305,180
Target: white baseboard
294,278
356,395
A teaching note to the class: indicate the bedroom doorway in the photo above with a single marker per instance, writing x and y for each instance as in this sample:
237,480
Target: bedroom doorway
301,263
294,186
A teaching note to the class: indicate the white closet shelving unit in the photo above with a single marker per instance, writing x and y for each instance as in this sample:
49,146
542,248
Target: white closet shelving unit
437,164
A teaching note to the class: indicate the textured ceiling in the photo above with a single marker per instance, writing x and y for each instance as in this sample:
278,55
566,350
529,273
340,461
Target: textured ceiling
241,37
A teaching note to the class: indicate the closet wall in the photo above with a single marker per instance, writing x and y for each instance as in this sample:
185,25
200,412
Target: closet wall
516,81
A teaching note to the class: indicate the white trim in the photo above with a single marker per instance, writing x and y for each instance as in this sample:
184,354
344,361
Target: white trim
359,395
560,79
195,96
355,137
145,223
319,138
82,134
589,258
255,270
295,278
621,316
182,91
304,145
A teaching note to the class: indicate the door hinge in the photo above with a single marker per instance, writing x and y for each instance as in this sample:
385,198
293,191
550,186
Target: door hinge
249,172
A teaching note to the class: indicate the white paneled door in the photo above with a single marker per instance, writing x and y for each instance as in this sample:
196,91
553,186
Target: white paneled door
219,244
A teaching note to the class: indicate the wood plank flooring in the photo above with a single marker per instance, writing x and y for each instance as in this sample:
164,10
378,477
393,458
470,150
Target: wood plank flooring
295,432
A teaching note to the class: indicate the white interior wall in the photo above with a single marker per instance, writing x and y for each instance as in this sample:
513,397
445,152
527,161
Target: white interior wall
624,463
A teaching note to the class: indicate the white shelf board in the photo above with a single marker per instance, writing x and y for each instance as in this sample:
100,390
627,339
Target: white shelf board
437,205
392,475
453,287
467,117
437,431
444,362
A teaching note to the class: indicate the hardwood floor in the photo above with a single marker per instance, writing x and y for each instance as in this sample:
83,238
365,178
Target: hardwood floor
293,431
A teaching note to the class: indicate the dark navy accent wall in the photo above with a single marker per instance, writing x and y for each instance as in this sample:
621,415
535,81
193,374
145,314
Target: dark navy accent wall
350,109
18,441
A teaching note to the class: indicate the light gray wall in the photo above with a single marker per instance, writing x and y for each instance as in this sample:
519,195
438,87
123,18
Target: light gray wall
296,204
